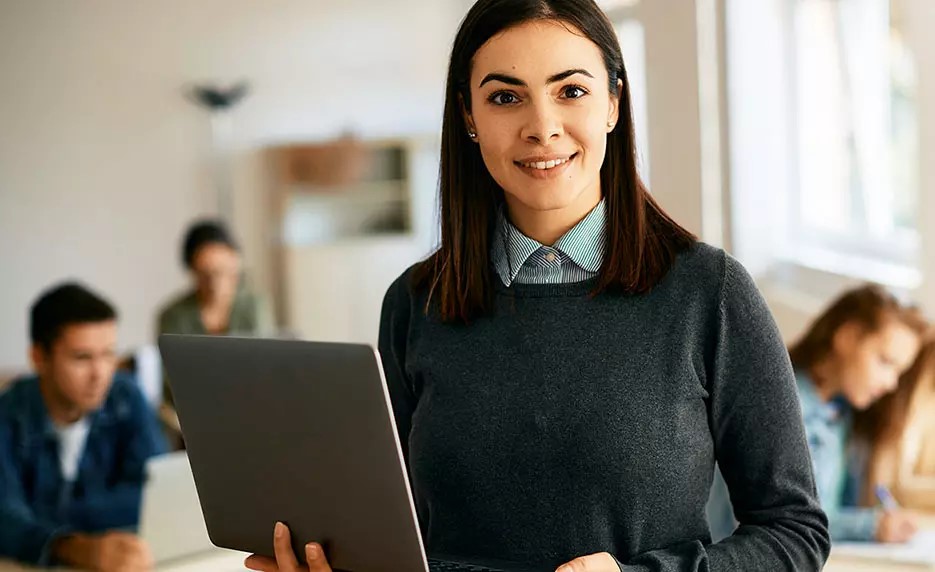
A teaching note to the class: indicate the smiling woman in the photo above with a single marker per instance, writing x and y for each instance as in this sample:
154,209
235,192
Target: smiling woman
529,83
570,363
561,119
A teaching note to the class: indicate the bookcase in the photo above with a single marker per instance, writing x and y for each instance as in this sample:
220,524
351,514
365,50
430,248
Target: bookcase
349,216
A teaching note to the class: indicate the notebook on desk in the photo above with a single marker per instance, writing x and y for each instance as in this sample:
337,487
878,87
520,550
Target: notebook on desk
920,551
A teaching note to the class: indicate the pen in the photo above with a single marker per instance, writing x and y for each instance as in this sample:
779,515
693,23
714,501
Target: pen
885,497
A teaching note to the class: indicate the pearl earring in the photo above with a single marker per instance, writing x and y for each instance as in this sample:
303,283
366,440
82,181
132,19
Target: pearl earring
472,135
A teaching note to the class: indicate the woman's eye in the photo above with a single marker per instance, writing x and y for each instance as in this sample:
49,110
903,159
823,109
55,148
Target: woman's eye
574,92
503,98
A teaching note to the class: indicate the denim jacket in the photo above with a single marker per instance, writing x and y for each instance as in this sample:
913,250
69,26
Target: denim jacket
828,426
37,505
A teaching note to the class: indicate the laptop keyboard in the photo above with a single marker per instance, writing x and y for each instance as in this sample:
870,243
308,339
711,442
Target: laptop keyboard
444,566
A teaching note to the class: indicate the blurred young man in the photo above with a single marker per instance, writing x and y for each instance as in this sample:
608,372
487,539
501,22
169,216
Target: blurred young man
74,440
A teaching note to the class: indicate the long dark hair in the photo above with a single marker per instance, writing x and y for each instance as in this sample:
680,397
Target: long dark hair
870,307
642,240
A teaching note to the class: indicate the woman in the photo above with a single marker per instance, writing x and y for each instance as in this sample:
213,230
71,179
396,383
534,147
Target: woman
219,303
568,365
851,357
898,433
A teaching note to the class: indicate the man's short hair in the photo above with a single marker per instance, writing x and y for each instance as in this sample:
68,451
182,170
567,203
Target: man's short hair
64,305
202,233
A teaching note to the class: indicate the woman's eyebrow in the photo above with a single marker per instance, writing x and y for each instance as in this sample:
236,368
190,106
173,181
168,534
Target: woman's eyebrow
568,73
503,78
511,80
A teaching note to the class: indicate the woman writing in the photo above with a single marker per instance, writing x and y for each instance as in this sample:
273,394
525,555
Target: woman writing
851,357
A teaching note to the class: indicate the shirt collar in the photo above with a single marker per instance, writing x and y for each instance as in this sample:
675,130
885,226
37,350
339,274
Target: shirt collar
583,244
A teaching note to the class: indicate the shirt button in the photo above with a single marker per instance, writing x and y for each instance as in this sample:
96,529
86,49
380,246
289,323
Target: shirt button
550,257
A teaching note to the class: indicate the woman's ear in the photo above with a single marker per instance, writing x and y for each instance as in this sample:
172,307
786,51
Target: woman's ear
613,113
468,120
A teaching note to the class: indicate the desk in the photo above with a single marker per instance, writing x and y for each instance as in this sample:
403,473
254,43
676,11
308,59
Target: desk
229,561
836,564
214,561
842,563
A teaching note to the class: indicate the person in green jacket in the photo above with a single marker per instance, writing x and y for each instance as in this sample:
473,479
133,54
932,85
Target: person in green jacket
219,301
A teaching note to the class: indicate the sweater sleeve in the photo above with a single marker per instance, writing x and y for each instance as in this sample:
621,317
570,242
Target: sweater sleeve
759,438
394,332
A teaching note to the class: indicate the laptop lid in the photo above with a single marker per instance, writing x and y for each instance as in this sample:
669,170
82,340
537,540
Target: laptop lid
300,432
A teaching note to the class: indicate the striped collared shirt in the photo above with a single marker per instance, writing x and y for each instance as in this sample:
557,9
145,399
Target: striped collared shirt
575,257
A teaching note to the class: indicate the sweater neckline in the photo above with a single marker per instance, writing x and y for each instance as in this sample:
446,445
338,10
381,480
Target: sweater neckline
565,290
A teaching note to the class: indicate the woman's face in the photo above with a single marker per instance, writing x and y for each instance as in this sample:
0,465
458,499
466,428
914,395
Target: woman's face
541,109
871,363
216,269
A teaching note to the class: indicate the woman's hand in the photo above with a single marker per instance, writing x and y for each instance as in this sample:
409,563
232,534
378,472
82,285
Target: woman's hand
896,526
315,560
600,562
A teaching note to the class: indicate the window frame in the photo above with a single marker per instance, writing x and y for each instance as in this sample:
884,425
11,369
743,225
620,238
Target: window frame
825,250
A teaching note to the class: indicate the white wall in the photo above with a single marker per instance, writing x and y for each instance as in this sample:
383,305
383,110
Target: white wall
103,163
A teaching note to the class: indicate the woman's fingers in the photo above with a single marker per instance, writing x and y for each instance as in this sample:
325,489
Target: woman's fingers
282,545
315,557
285,558
910,527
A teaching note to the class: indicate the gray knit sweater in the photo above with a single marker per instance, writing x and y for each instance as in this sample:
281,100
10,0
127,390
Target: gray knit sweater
562,424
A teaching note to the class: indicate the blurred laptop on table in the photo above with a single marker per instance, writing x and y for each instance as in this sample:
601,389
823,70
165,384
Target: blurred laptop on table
171,520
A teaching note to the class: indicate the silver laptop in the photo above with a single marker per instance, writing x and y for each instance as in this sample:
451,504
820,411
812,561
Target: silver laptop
300,432
171,522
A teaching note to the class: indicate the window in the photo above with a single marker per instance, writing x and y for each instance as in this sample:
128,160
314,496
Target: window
855,143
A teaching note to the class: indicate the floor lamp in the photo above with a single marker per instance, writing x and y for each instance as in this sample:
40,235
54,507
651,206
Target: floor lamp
220,102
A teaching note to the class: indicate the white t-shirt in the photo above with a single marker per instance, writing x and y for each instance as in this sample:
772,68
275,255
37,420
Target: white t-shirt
71,441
